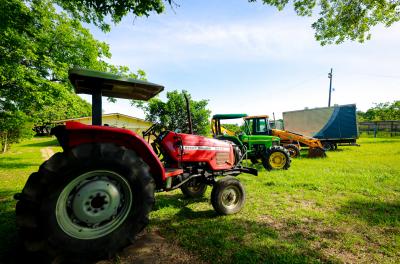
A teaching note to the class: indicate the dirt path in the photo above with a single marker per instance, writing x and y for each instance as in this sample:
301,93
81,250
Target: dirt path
152,248
46,153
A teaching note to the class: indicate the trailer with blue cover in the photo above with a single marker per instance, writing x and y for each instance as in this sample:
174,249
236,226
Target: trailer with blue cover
331,125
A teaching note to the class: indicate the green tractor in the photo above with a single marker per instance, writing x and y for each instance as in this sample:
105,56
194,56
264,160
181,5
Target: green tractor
254,139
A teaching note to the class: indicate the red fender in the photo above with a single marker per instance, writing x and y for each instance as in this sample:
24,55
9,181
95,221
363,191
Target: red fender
75,133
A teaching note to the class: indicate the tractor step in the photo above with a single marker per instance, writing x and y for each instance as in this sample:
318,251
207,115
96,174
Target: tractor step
170,172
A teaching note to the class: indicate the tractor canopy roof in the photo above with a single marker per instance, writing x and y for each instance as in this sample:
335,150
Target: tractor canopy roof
112,85
256,116
228,116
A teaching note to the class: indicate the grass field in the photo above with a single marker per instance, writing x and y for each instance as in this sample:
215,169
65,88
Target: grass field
342,209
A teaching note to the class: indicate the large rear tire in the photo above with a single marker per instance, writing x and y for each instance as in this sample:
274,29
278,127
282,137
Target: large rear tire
276,158
228,196
194,188
85,204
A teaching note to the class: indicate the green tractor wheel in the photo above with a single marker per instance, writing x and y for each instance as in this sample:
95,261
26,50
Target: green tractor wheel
276,158
94,192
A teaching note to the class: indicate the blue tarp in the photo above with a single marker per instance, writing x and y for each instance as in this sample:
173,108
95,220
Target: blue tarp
342,124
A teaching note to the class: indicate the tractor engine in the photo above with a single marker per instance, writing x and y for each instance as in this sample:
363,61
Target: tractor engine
198,151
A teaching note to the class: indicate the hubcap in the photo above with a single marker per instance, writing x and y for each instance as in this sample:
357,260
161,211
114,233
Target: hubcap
277,160
94,204
96,201
230,197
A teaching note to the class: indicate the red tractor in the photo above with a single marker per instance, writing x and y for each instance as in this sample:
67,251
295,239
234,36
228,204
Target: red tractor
92,199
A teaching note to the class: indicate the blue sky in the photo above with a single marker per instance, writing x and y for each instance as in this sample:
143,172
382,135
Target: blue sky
247,57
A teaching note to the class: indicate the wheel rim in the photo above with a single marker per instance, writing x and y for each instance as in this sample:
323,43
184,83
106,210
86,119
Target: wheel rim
277,160
230,197
94,204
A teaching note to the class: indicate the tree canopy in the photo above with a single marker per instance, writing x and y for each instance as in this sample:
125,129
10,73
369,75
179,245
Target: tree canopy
381,112
337,20
172,115
38,45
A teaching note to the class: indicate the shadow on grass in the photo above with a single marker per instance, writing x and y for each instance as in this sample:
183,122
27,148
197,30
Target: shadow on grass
51,143
8,231
233,239
374,213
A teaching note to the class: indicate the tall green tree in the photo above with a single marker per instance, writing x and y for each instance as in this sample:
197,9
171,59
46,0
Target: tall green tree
38,45
172,115
337,20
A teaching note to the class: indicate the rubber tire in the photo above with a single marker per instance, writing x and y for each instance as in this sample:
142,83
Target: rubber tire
216,195
265,160
328,146
35,211
190,193
293,150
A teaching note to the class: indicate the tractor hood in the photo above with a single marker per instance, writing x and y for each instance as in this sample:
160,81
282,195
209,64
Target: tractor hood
112,85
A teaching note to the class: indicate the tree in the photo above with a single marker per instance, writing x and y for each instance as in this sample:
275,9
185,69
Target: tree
96,11
338,20
14,127
381,112
172,115
341,20
38,45
235,128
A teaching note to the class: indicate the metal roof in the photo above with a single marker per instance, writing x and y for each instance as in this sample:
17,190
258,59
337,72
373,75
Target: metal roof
256,116
228,116
112,85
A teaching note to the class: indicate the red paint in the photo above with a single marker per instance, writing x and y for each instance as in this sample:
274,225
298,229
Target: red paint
195,148
79,133
170,172
171,144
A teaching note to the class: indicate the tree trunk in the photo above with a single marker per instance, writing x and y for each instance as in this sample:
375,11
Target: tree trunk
5,142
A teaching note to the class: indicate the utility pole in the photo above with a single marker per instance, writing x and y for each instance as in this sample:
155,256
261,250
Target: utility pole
330,75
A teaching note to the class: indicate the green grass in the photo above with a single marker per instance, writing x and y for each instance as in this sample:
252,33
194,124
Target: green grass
15,167
345,208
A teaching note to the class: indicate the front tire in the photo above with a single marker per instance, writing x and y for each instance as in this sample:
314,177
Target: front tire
276,158
85,204
228,196
194,188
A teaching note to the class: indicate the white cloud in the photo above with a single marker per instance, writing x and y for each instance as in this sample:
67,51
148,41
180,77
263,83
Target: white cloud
174,49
